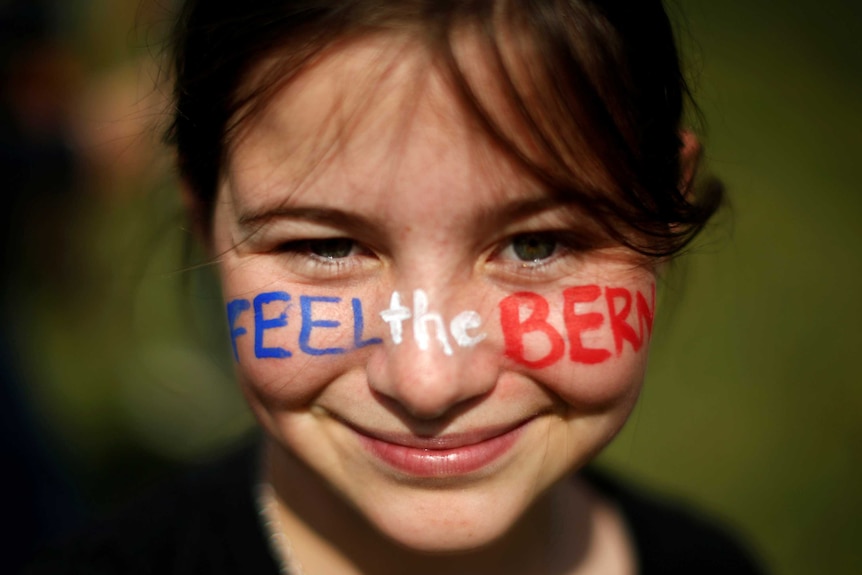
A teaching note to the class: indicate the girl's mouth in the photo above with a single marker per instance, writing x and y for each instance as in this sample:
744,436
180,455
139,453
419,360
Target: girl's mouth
442,456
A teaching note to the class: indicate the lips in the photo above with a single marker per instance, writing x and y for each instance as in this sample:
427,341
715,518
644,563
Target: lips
441,456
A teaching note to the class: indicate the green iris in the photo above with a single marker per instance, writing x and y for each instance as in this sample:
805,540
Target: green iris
533,247
331,248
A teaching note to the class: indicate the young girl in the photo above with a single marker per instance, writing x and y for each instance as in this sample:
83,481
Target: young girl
438,226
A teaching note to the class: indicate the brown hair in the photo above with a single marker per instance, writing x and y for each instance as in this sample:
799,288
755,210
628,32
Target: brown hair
599,90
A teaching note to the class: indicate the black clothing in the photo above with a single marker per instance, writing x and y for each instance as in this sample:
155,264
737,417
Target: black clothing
670,539
204,523
207,523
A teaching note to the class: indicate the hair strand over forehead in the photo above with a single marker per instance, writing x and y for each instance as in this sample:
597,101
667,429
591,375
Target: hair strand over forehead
593,93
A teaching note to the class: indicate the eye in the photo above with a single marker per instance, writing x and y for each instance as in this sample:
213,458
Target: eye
332,248
325,258
534,248
540,256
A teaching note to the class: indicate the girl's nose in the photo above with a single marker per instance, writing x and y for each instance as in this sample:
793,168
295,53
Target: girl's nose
432,360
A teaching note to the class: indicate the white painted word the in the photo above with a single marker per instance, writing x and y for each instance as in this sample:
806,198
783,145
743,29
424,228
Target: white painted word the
465,321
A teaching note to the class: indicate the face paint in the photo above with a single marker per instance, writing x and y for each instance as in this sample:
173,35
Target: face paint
461,323
514,328
577,323
261,324
312,318
523,316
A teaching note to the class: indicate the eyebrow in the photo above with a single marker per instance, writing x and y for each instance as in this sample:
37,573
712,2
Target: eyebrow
522,209
509,211
331,216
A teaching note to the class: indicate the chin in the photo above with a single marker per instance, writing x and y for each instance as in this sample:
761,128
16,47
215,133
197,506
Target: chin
458,533
449,520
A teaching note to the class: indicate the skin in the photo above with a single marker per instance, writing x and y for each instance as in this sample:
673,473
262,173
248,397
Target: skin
371,144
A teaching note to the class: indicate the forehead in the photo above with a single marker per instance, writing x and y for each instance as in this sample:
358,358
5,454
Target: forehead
375,121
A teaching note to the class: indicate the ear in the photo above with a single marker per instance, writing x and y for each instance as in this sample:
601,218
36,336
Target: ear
689,159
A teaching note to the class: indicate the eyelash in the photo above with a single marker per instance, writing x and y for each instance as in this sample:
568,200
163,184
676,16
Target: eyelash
565,244
331,265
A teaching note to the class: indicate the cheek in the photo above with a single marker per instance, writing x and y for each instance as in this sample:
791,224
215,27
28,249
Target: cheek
588,343
288,344
594,389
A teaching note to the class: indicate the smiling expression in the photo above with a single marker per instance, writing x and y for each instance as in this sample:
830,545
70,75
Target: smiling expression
362,179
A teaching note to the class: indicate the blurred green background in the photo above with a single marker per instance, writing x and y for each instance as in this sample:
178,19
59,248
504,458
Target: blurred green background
752,401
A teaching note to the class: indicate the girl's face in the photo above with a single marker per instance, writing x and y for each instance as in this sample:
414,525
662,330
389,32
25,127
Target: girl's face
414,322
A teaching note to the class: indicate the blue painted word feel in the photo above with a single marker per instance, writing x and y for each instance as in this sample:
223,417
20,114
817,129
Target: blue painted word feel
272,312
